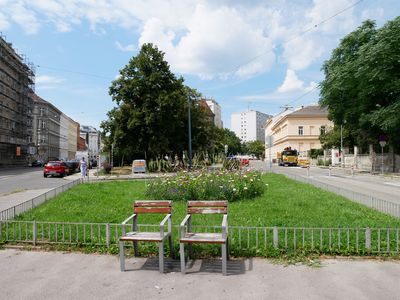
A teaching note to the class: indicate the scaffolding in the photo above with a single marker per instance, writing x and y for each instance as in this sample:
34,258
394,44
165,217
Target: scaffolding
17,80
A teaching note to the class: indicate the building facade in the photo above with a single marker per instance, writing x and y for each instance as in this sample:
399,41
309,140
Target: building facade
64,124
16,106
46,120
299,129
73,134
249,125
92,137
216,110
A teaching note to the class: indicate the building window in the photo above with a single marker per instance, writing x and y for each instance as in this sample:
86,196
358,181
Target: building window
41,111
43,124
322,130
301,130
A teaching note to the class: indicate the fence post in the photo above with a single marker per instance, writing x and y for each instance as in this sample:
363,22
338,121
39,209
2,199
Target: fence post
108,235
34,233
1,230
13,212
368,239
276,237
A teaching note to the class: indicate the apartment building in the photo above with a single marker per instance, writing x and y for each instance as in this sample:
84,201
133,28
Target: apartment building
93,140
249,125
216,110
299,129
16,106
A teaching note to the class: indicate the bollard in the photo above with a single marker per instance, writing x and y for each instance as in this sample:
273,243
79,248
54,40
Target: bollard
352,171
330,168
308,171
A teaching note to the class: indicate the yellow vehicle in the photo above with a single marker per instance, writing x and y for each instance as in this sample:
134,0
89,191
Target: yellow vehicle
287,157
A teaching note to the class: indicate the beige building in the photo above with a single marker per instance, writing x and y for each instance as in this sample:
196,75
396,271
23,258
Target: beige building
299,129
73,134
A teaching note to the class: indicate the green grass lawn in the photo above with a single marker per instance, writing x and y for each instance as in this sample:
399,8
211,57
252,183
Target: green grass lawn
284,203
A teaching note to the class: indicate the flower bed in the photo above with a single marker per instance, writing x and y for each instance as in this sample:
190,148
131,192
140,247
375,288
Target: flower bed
221,185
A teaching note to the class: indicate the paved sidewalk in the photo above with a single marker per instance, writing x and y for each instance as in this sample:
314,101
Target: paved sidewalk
54,275
14,199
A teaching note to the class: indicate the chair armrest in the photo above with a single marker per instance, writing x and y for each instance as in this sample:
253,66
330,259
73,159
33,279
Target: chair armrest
162,224
225,226
183,224
185,220
127,220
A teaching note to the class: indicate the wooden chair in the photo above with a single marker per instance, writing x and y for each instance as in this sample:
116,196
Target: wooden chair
135,236
189,237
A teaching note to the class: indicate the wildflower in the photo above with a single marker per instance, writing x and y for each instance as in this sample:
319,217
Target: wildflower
245,188
221,186
234,189
251,179
266,184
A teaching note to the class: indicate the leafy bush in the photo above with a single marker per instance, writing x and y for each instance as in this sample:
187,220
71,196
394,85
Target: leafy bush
221,185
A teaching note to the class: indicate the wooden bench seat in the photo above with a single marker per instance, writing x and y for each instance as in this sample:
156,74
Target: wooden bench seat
189,237
135,236
200,237
142,236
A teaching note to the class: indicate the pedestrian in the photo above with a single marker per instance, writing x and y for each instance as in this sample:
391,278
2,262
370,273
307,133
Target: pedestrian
83,167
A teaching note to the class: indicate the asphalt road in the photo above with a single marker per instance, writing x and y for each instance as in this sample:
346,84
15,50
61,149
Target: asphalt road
56,275
21,179
381,187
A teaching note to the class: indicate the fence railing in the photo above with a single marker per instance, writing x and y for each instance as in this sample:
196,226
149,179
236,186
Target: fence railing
381,205
12,212
243,240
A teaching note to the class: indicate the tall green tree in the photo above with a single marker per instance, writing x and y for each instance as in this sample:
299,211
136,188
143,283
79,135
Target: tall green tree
361,88
256,147
150,117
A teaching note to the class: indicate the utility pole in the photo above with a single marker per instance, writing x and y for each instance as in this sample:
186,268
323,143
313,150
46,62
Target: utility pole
190,135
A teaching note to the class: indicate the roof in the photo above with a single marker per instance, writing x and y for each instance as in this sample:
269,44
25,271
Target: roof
311,110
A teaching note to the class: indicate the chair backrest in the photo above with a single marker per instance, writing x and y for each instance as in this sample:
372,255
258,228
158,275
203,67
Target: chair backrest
152,207
207,207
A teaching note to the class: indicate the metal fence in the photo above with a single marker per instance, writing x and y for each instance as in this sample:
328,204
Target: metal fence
14,211
243,240
381,205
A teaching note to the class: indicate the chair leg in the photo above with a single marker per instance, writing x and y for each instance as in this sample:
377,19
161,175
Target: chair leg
182,254
224,248
161,256
136,248
227,249
171,248
121,256
190,255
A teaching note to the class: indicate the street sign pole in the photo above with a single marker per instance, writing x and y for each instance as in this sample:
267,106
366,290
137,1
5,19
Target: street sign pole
383,144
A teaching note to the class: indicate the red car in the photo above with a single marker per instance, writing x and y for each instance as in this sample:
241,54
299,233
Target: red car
55,168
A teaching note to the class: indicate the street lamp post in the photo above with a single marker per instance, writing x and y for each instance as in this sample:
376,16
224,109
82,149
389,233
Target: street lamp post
383,144
190,135
341,146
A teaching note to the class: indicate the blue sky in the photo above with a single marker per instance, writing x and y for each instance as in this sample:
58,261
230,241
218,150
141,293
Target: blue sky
241,53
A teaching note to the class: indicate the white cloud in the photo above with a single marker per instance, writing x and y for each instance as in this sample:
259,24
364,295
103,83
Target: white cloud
293,84
24,17
46,79
204,38
217,42
4,24
323,10
127,48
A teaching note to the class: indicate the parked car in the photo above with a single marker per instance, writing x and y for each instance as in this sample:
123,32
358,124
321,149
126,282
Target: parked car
73,166
55,168
37,163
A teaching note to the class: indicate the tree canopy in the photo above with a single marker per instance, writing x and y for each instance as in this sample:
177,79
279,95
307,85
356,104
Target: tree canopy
151,113
361,88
